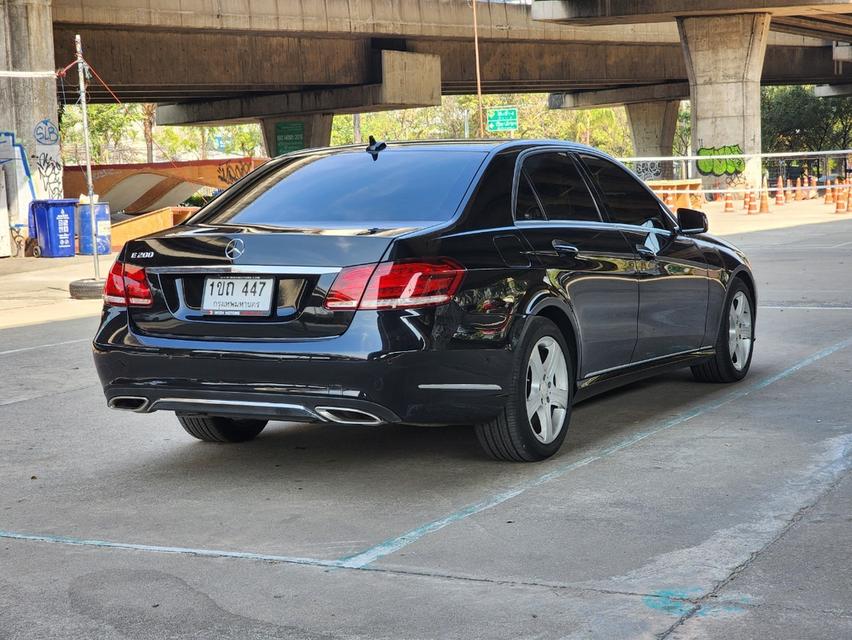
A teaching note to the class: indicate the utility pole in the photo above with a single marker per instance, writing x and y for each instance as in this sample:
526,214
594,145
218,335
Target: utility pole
356,128
478,73
81,68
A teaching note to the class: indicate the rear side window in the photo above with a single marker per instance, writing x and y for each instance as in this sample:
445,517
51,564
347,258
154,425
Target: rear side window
402,186
562,191
627,200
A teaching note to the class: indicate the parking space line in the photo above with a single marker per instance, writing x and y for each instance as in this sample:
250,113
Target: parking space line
206,553
43,346
806,308
392,545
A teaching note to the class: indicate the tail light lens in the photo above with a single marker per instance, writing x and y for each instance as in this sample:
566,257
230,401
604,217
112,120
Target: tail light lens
405,284
127,286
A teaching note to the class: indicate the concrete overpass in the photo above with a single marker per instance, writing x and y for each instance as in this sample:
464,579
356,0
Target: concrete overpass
291,64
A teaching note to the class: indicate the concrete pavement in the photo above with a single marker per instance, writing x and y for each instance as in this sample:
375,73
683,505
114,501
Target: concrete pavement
675,509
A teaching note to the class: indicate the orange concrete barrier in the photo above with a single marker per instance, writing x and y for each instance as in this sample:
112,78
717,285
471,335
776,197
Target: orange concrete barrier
729,202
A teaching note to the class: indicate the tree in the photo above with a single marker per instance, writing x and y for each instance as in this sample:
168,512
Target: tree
149,110
794,119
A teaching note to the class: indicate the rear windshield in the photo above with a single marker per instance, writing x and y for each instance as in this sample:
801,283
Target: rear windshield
400,187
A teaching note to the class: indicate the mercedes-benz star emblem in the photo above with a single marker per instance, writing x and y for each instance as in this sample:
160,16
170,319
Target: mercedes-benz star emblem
235,249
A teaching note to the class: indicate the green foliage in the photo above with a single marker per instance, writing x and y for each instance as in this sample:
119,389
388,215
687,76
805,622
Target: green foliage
794,119
110,126
604,128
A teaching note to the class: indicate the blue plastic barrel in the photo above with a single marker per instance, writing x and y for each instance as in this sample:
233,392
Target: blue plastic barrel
84,228
51,223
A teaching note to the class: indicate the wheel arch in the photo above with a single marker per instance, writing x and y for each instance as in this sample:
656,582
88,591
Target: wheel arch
748,279
560,313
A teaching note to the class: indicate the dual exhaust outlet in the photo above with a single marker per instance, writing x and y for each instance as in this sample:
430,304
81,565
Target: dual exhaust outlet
338,415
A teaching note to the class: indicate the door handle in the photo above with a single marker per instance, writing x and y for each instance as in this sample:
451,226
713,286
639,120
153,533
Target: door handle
564,249
645,252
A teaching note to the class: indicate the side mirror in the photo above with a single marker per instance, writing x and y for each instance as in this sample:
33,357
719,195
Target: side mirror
691,221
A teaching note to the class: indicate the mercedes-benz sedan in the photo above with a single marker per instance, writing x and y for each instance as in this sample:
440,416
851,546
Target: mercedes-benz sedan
485,283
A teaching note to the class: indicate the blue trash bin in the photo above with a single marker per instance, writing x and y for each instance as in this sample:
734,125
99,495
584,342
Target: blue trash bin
84,228
51,223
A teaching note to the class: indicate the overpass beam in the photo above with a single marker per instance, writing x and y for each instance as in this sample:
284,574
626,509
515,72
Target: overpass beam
407,80
724,60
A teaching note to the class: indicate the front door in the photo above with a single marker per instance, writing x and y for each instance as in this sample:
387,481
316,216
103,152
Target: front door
587,260
673,277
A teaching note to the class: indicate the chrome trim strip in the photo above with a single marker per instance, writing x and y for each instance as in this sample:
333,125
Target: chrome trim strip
245,268
232,403
646,361
328,414
462,387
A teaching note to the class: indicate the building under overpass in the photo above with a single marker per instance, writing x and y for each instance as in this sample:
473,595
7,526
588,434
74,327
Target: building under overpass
291,64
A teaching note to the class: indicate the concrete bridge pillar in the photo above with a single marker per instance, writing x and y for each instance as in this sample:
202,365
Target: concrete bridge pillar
28,109
652,128
282,135
724,59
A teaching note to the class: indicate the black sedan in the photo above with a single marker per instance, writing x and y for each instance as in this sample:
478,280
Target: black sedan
485,283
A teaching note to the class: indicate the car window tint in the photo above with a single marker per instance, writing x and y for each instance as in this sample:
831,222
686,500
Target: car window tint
560,187
627,200
527,205
402,186
491,204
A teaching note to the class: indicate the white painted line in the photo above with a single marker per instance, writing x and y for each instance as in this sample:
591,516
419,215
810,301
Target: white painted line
43,346
806,308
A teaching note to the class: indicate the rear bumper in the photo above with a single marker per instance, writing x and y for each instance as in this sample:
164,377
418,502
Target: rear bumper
347,379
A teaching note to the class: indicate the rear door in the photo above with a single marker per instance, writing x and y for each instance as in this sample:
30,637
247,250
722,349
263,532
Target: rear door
673,284
589,261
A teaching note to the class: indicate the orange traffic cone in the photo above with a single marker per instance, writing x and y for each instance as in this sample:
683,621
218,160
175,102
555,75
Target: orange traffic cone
799,196
729,202
840,197
779,193
814,188
848,194
764,198
829,193
746,197
788,194
752,203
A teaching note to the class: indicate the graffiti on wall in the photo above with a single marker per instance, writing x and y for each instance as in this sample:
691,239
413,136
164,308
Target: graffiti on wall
721,166
48,162
648,170
231,171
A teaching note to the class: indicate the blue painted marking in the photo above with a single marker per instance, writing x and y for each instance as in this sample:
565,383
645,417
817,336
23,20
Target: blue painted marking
207,553
393,545
679,602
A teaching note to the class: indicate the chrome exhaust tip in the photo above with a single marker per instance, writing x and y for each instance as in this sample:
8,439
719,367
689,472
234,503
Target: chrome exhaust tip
128,403
346,415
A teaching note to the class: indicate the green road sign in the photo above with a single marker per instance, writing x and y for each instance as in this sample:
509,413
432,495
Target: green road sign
502,119
289,136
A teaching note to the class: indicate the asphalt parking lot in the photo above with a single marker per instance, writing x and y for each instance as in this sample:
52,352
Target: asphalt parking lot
674,510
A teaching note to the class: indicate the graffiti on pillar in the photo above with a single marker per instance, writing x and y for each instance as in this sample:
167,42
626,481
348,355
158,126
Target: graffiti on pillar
231,171
46,133
721,166
648,170
48,162
50,173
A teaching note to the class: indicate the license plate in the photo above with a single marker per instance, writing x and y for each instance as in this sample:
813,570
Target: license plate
237,296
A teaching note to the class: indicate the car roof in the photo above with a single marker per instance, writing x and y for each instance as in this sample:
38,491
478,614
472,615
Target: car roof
491,145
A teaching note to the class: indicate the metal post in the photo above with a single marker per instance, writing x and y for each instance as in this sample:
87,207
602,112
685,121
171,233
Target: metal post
466,124
81,68
478,74
356,128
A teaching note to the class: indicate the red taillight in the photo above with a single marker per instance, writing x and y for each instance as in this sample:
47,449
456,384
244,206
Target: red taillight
126,285
396,285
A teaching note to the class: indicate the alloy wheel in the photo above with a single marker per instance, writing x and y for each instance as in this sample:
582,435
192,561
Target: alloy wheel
739,330
547,389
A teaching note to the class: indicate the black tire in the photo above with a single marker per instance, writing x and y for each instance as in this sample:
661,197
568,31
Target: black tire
219,429
722,368
36,251
512,435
